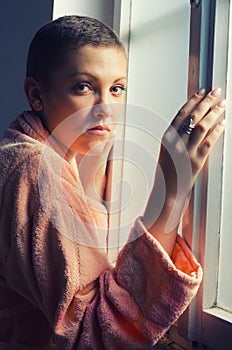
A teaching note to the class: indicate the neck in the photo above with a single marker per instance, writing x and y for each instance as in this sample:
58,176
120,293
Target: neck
92,175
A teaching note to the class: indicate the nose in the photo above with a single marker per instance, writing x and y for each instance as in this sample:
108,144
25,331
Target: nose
102,110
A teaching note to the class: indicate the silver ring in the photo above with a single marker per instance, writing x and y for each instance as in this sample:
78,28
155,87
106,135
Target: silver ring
188,126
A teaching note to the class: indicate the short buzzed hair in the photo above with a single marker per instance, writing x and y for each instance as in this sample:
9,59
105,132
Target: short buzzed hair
57,38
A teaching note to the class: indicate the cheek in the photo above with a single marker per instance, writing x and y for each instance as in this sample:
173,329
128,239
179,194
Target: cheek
67,104
76,122
70,125
82,102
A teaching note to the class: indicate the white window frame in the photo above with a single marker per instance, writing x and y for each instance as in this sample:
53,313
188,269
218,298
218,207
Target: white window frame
216,322
204,321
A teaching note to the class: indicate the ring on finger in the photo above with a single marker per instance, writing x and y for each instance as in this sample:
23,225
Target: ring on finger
188,126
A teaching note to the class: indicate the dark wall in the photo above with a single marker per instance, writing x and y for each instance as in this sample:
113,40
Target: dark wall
18,24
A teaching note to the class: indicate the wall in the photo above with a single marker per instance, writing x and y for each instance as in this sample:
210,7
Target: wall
19,22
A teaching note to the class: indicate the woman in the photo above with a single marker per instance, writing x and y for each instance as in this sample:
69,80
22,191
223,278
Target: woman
58,289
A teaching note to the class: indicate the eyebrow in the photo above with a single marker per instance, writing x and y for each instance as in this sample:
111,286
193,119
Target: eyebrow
92,76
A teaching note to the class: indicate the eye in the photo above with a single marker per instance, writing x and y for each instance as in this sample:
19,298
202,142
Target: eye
82,88
118,90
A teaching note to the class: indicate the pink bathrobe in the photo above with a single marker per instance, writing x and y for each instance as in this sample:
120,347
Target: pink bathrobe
55,288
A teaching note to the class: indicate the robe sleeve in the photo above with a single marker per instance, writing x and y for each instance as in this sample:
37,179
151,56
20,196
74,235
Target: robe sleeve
88,303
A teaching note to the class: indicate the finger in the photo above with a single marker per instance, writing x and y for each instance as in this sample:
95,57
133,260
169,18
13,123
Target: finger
211,139
203,107
207,123
188,107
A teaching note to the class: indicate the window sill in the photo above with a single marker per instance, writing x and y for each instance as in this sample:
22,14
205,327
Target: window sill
220,313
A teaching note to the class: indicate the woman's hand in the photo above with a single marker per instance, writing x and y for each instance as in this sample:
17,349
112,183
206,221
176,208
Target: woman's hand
195,146
184,150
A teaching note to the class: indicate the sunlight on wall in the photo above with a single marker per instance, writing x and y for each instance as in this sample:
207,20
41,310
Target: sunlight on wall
100,9
158,78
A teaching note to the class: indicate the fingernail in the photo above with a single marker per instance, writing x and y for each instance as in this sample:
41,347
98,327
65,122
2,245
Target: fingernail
216,92
222,122
201,92
222,104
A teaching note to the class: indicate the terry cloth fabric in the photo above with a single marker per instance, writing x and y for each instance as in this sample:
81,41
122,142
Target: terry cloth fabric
57,287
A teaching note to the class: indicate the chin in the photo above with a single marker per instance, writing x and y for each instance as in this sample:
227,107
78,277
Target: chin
90,148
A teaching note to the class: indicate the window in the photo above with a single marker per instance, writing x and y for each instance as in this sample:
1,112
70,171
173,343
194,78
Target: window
209,318
218,301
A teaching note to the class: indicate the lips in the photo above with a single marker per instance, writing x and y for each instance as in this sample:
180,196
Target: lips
99,130
100,127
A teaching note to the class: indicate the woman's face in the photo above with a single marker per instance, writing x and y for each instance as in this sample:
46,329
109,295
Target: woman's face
89,87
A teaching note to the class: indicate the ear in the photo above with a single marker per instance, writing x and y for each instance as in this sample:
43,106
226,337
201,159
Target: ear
33,92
